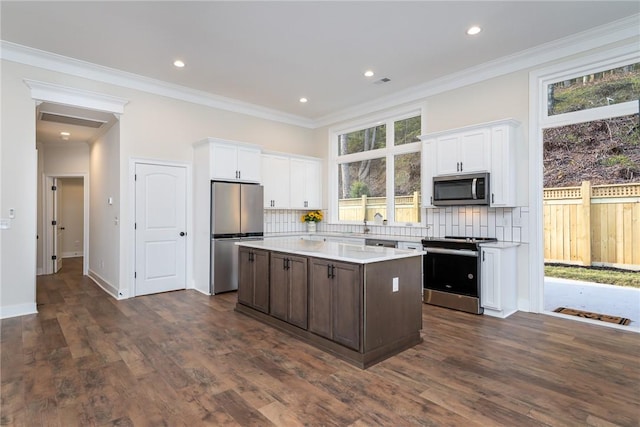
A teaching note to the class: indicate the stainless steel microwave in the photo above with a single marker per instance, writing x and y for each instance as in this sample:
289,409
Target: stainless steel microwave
460,190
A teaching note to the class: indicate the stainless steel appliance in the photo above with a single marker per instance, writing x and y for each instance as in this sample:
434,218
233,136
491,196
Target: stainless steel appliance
468,189
452,271
236,214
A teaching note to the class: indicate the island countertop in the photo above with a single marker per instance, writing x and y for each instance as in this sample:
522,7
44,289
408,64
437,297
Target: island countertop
359,254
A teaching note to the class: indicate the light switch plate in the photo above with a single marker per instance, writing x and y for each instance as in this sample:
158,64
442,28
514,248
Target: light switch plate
5,224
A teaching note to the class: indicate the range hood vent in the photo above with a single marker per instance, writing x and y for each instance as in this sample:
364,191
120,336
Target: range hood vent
70,120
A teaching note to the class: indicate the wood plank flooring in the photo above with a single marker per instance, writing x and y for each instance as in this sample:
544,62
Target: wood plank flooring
185,359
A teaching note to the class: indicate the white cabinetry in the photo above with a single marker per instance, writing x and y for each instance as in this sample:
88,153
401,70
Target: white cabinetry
428,171
292,182
235,161
276,181
487,147
503,177
498,279
463,152
305,183
412,246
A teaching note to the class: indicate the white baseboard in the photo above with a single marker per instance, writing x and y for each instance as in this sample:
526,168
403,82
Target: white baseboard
75,254
104,284
18,310
39,271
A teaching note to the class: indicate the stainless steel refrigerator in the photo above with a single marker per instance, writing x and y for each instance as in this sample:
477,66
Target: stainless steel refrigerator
236,214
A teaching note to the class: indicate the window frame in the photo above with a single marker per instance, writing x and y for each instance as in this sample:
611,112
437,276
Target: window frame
388,152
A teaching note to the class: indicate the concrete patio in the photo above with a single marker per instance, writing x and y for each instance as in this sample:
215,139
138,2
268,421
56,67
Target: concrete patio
595,297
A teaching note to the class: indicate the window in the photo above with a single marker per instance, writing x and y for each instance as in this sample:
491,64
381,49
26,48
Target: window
377,169
597,89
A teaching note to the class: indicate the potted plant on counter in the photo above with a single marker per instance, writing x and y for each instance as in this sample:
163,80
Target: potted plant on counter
312,218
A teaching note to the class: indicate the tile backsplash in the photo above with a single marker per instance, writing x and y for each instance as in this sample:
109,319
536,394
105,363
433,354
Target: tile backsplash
505,224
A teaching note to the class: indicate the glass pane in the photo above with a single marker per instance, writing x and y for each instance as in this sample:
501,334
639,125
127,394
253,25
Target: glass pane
594,90
362,140
362,190
407,187
407,130
602,151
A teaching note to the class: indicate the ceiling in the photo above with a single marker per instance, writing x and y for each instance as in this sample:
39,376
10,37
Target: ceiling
270,54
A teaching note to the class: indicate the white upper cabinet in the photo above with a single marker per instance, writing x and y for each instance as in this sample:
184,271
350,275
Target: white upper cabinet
489,147
463,152
235,161
291,182
276,181
305,183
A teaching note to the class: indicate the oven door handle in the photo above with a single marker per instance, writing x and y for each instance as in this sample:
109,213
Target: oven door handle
459,252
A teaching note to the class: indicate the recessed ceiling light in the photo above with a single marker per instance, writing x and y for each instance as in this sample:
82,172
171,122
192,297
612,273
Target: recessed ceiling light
65,135
472,31
178,63
368,73
303,100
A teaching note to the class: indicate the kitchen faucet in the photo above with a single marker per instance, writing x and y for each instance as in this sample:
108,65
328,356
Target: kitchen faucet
366,229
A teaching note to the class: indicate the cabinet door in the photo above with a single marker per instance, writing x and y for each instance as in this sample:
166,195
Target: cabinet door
346,305
475,151
447,155
276,181
224,161
261,280
278,277
320,298
245,277
490,279
503,160
297,292
313,184
249,164
429,153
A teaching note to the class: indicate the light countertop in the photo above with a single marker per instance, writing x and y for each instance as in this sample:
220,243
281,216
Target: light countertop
358,254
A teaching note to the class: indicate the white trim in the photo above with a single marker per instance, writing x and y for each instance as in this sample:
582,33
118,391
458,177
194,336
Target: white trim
17,310
104,284
54,62
49,92
133,161
618,31
46,217
538,119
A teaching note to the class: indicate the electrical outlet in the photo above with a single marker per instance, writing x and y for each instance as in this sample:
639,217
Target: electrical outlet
395,286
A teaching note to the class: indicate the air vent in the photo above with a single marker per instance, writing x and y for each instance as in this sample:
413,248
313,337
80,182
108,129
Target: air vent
69,120
382,80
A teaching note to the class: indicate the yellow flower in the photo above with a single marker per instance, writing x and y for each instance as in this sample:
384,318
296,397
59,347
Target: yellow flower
313,216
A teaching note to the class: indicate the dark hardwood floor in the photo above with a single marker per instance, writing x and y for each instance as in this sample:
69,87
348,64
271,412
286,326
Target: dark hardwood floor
185,359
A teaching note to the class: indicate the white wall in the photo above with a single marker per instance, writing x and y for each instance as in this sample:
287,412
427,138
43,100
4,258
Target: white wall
71,199
18,191
104,223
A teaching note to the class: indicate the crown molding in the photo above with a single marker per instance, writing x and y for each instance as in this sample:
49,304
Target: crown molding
624,30
627,29
50,61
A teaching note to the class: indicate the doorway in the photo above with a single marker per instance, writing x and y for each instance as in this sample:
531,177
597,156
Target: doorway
66,221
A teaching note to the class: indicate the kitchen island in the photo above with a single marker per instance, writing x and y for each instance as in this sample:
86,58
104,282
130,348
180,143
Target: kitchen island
360,303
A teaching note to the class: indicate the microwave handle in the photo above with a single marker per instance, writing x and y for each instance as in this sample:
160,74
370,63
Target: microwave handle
474,193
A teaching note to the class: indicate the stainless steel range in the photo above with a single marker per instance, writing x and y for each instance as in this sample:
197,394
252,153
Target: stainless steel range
452,268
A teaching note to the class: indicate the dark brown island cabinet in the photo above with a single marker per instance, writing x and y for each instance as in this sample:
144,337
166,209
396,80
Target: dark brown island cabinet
360,303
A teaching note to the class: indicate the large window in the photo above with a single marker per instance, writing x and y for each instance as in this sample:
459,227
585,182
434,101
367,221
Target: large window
378,171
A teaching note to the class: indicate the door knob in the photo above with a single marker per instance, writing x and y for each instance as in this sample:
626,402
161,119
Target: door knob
182,233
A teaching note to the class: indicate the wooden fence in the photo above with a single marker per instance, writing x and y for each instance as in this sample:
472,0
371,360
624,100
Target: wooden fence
593,225
407,208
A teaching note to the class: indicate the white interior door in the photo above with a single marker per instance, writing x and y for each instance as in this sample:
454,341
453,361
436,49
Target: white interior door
160,211
57,228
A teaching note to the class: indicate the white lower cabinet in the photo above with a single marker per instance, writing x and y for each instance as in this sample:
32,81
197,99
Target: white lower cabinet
414,246
498,280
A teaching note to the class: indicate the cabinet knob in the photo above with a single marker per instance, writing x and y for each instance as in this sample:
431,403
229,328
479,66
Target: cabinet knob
182,234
